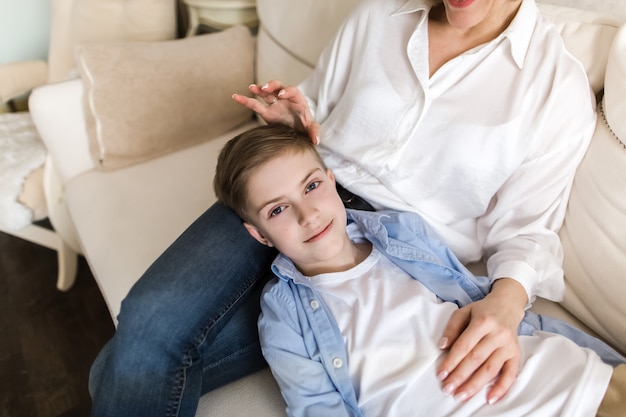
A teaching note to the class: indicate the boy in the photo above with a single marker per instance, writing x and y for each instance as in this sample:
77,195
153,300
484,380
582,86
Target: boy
349,327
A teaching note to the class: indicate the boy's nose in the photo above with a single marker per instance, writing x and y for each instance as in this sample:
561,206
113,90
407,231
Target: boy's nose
308,214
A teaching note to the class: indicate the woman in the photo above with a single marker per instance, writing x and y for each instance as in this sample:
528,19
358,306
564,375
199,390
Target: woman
468,112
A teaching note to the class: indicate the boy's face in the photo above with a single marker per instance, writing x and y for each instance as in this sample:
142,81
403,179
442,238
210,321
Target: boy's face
293,205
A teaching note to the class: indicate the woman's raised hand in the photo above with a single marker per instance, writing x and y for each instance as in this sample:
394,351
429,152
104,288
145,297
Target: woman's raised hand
280,104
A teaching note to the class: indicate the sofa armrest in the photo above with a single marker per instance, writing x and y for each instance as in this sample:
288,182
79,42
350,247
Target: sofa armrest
593,236
615,86
57,112
19,78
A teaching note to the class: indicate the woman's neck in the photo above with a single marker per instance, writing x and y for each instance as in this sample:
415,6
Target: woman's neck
450,36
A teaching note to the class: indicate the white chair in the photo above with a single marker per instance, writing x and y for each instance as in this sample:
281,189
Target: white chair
29,188
22,177
220,14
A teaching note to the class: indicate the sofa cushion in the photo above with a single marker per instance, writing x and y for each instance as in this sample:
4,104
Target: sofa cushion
616,86
587,35
593,235
261,393
310,26
288,49
127,217
145,99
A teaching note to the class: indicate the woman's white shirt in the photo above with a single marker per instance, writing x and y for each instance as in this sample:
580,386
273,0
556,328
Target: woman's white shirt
390,323
485,149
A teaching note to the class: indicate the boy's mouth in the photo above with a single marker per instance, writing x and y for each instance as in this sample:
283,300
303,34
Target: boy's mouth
320,234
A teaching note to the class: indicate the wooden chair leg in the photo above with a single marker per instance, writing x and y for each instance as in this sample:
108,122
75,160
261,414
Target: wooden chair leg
68,261
67,257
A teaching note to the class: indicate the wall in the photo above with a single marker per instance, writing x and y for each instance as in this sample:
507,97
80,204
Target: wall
24,29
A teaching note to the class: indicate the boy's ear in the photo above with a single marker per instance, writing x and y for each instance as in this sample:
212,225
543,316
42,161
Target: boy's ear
255,233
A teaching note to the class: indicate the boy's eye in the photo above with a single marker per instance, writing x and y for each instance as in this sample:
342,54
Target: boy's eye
277,211
312,186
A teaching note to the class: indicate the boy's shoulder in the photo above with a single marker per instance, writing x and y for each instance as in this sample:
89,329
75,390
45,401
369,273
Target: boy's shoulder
279,305
272,286
277,292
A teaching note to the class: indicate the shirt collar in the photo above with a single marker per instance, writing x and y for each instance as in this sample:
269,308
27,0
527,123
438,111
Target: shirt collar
521,29
518,33
411,6
284,268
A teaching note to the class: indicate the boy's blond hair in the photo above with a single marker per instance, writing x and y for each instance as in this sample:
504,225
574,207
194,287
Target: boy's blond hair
247,152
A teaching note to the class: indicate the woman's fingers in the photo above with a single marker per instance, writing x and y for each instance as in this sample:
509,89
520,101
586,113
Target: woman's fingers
488,363
314,133
483,343
457,323
505,381
280,104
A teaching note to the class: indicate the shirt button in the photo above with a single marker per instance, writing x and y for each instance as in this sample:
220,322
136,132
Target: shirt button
315,304
337,363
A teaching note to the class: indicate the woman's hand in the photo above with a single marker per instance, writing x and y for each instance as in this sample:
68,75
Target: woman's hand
483,342
280,104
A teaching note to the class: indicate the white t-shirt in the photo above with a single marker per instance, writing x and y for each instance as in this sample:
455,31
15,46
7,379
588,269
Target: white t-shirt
485,150
391,323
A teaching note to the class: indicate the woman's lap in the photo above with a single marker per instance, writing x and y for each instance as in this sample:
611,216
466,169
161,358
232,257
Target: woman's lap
188,325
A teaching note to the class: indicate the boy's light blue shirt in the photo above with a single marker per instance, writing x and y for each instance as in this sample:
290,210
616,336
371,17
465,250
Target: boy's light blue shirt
303,345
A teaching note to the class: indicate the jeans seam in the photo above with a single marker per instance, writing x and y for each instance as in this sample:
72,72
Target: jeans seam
173,409
226,358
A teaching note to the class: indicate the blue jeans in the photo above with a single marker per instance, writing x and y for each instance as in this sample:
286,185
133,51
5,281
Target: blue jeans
189,324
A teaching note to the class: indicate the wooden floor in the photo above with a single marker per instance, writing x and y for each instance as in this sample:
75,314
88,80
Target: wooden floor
48,339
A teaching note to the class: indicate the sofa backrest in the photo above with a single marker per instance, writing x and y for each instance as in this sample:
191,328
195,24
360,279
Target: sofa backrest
288,47
587,35
594,231
76,21
290,42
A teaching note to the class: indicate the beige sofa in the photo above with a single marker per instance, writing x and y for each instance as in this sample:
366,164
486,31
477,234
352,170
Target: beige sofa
135,138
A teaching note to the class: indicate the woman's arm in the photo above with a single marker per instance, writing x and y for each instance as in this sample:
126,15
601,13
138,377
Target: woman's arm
520,236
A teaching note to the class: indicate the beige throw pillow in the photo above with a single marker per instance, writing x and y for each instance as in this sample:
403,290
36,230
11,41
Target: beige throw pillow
145,99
